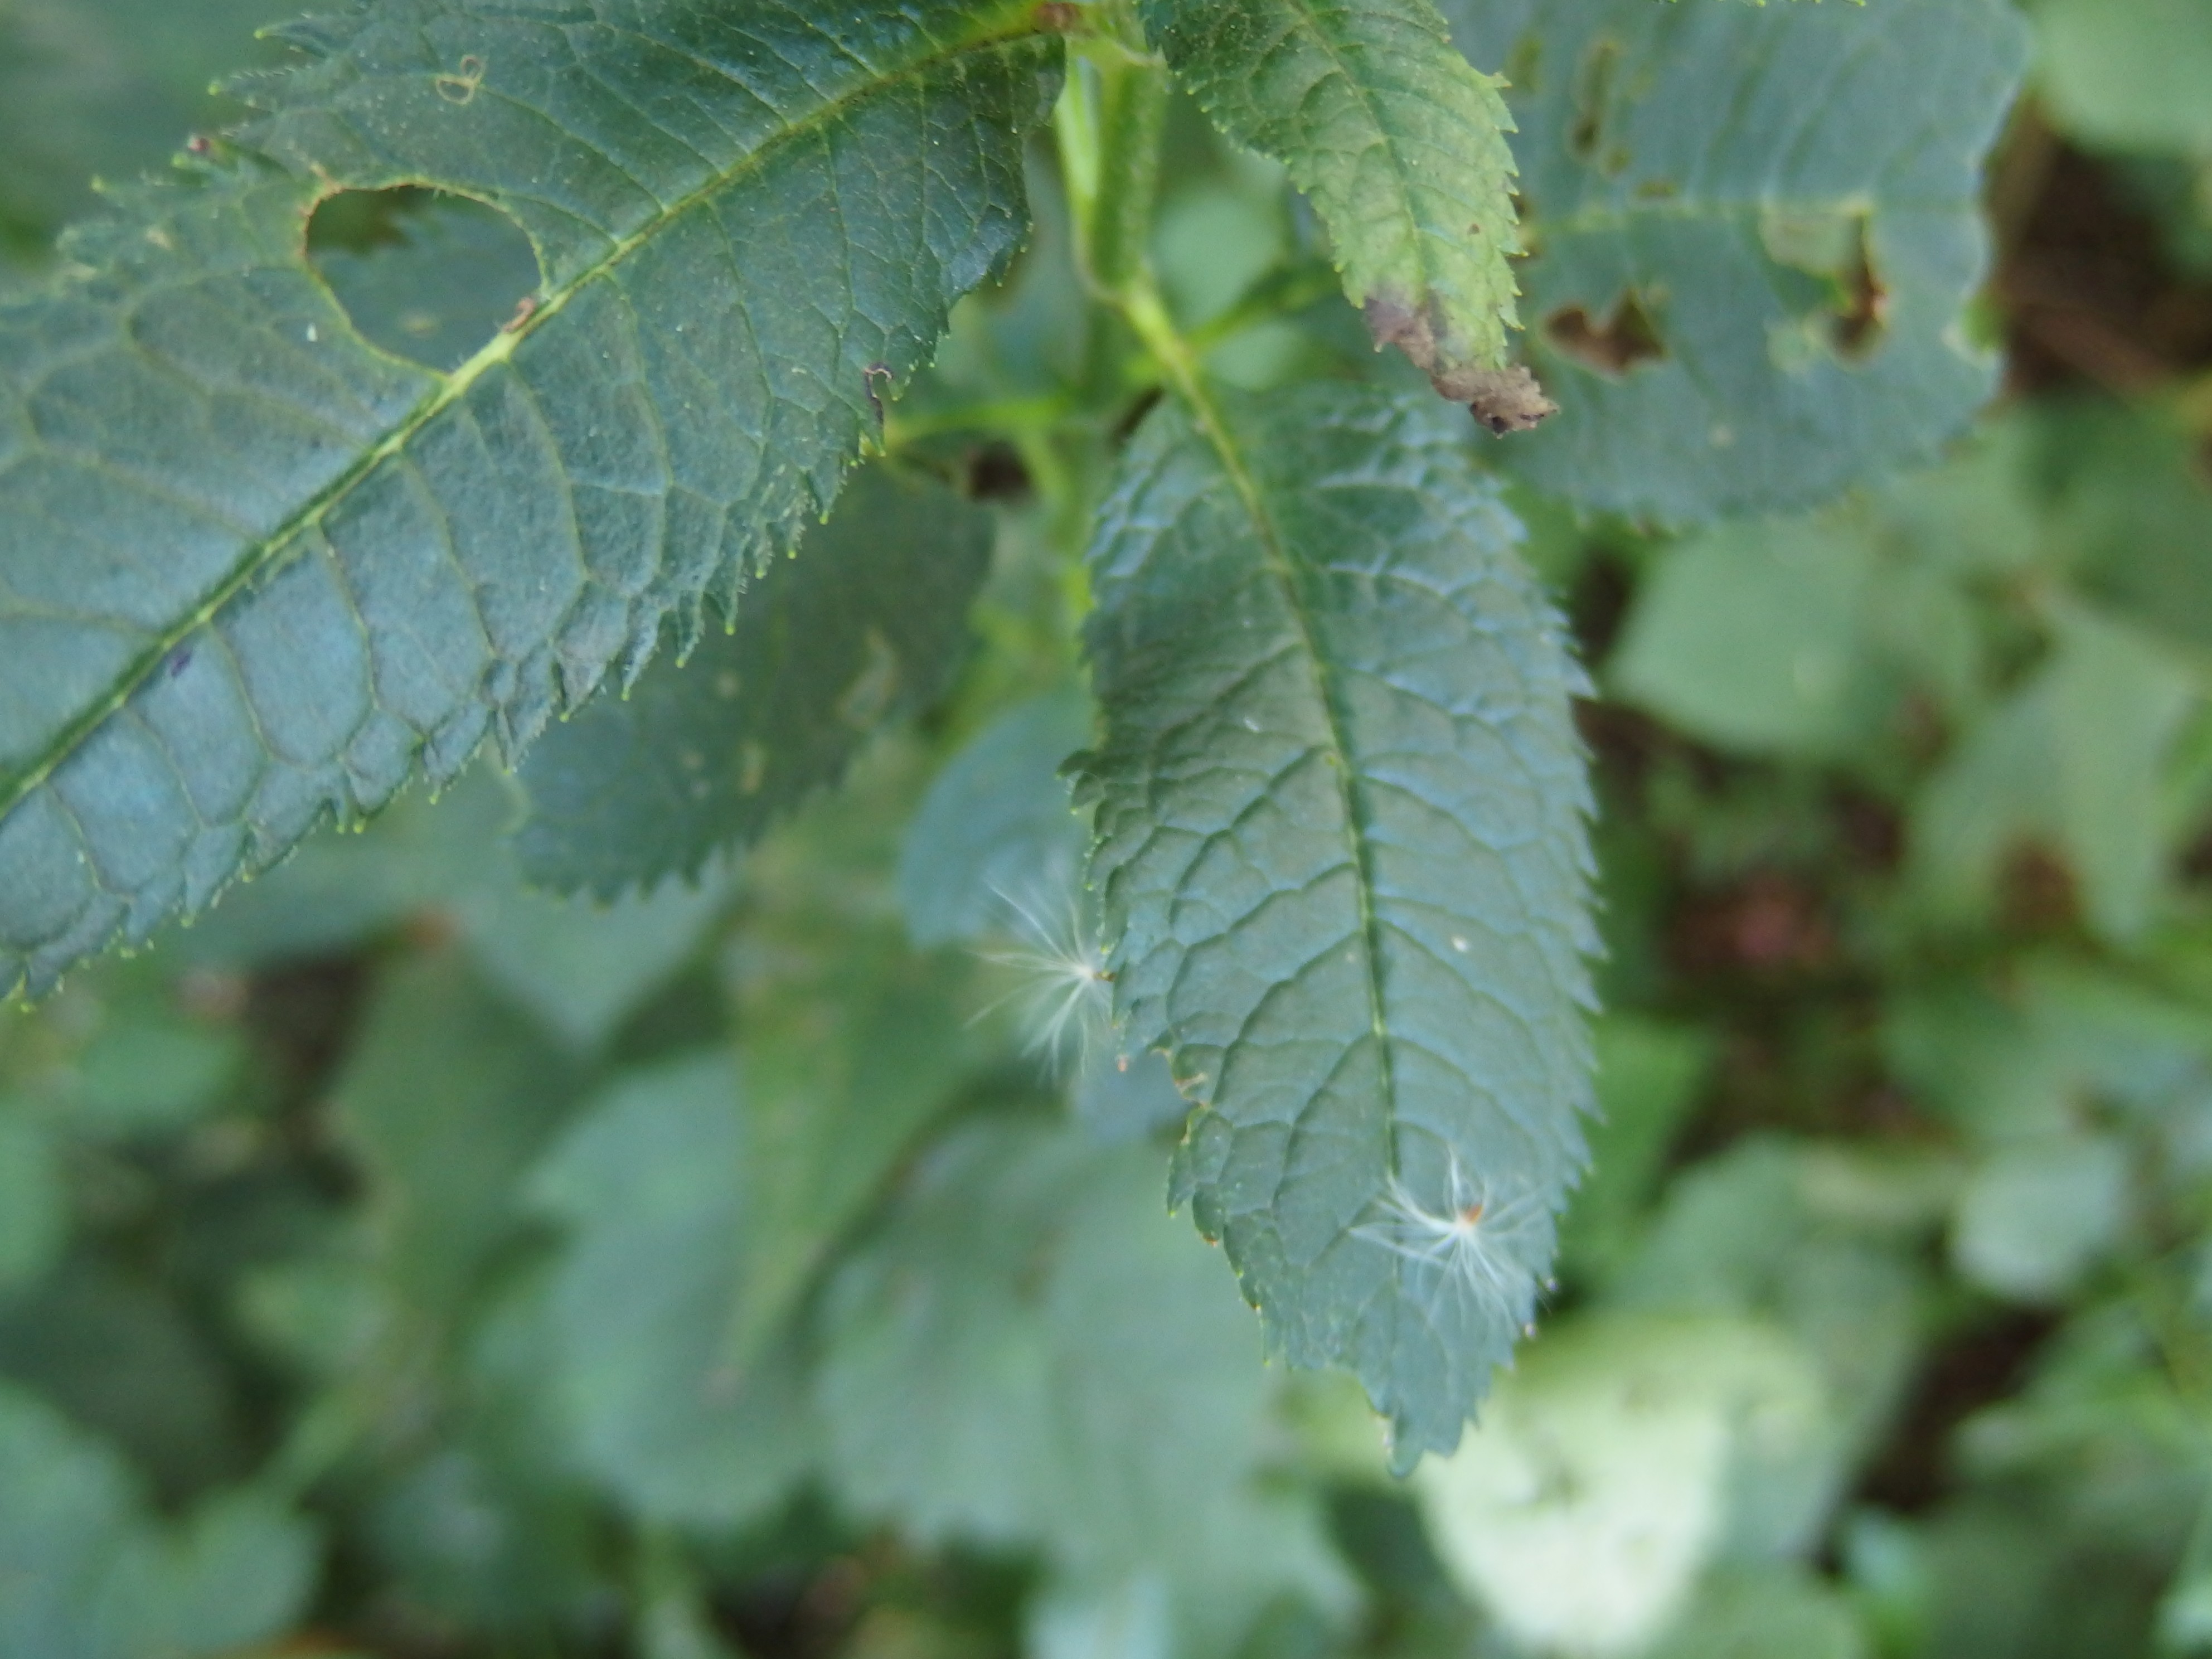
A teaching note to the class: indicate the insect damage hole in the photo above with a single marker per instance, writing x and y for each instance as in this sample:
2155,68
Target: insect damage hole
1613,344
424,275
1844,307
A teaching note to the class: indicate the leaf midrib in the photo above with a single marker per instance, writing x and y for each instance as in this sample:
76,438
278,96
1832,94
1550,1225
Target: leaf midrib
1010,23
1329,49
1279,566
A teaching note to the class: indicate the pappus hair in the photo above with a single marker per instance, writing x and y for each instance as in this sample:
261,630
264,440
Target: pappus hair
1479,1243
1067,990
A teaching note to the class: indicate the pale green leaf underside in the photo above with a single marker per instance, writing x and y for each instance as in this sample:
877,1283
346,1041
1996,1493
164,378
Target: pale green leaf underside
1340,842
253,574
701,755
1723,165
1398,143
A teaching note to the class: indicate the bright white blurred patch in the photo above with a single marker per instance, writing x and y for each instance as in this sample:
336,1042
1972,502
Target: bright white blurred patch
1603,1478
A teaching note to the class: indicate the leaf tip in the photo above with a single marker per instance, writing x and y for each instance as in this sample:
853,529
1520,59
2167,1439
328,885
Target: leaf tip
1505,399
1508,399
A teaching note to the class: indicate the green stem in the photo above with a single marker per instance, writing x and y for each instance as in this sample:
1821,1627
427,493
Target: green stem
1108,126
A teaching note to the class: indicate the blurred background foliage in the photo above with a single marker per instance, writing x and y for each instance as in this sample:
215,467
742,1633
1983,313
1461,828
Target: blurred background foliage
403,1265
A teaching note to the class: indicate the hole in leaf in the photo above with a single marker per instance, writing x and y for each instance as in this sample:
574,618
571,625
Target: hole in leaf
1862,316
1850,313
1624,338
1592,91
424,275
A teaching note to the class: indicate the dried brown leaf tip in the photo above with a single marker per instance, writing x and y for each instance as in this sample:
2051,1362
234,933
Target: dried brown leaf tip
1504,400
1507,400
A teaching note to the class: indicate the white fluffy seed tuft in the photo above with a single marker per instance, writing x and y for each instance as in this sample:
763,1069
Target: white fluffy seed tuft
1478,1245
1067,993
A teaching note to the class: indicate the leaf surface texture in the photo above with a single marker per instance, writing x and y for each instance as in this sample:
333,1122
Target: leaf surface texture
1340,842
1398,141
866,622
254,573
1755,232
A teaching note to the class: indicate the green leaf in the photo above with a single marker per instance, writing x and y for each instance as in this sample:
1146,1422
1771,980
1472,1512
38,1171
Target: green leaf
254,573
2072,763
995,854
33,1201
1339,818
1753,637
1030,1354
1400,146
996,828
1650,1074
2123,499
469,1539
650,1186
449,1095
119,1351
852,1046
344,886
1779,1614
2035,1217
2128,74
580,966
1800,638
1755,232
87,1572
238,1568
868,621
105,89
1827,1247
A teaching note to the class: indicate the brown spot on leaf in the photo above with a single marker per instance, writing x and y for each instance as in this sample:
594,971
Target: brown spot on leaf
1059,17
1624,338
1505,400
1862,313
1835,247
1592,92
1393,322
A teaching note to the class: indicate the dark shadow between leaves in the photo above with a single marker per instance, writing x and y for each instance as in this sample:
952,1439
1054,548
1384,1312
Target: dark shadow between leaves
425,275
